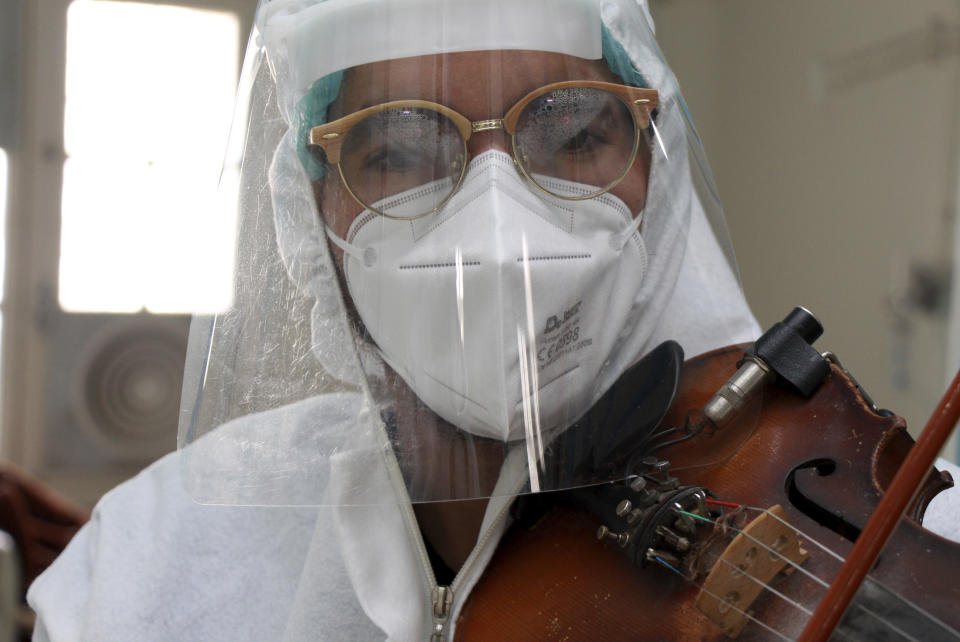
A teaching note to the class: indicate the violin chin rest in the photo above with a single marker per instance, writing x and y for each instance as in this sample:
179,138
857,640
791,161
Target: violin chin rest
616,427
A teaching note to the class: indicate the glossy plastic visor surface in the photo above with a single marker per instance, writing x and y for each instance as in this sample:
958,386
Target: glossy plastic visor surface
449,252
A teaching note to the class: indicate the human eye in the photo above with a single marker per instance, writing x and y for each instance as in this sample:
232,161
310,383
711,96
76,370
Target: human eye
398,141
592,136
584,141
392,159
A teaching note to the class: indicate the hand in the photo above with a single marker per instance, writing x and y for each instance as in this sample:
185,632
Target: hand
40,520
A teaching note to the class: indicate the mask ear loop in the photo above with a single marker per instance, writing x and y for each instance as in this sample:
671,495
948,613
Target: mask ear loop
367,257
625,236
621,239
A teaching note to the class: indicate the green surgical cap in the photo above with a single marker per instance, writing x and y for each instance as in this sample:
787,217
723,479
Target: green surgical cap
312,108
312,111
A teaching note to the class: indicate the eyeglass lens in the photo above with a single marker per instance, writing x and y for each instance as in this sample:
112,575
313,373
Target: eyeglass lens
577,134
398,149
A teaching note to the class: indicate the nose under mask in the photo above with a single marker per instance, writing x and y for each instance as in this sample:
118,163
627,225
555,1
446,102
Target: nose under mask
502,310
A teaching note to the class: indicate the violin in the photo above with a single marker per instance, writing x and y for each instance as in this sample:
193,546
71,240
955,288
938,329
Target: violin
744,530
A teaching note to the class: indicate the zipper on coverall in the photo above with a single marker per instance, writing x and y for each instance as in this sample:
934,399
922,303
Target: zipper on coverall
441,597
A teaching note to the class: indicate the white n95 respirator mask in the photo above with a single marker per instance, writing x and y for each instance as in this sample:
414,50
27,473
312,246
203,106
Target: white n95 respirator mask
502,310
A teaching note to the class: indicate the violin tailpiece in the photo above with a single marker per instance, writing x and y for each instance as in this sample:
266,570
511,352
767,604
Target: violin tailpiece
766,547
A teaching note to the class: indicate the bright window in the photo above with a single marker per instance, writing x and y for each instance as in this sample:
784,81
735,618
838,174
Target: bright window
149,97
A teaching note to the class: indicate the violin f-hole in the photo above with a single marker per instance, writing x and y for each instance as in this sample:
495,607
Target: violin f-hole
831,519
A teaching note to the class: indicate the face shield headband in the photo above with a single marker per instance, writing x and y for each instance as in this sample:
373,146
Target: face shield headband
312,109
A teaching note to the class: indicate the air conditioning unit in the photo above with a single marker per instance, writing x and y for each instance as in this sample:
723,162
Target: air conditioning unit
112,397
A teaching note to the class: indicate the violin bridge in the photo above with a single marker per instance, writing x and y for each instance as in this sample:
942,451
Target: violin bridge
766,547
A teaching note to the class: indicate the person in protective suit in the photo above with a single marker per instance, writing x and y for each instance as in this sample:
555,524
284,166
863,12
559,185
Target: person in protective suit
460,222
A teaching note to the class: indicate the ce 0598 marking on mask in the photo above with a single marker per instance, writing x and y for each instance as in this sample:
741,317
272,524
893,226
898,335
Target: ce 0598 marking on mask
562,336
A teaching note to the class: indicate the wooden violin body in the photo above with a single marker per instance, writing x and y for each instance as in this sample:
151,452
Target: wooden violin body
825,460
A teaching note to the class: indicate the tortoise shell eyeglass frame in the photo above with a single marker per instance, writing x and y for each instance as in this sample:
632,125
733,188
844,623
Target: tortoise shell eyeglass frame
640,101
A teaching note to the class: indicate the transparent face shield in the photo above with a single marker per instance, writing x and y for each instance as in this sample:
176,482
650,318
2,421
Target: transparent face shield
462,231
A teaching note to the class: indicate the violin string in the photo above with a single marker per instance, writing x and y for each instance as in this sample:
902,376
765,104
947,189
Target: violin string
887,623
783,522
796,530
768,587
764,585
723,601
843,634
769,549
822,547
717,502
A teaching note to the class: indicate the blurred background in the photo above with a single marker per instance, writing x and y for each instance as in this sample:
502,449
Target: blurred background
833,130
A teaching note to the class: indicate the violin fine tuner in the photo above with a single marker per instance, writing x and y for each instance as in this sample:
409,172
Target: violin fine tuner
785,351
662,524
654,519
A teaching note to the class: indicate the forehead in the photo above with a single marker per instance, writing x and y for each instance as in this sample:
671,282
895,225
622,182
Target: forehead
479,84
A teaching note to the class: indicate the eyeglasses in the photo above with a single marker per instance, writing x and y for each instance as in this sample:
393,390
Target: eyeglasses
585,132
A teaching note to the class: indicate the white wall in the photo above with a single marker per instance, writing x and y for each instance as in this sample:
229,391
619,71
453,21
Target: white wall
832,192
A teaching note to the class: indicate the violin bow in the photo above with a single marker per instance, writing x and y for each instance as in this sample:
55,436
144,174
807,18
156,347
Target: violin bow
885,517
